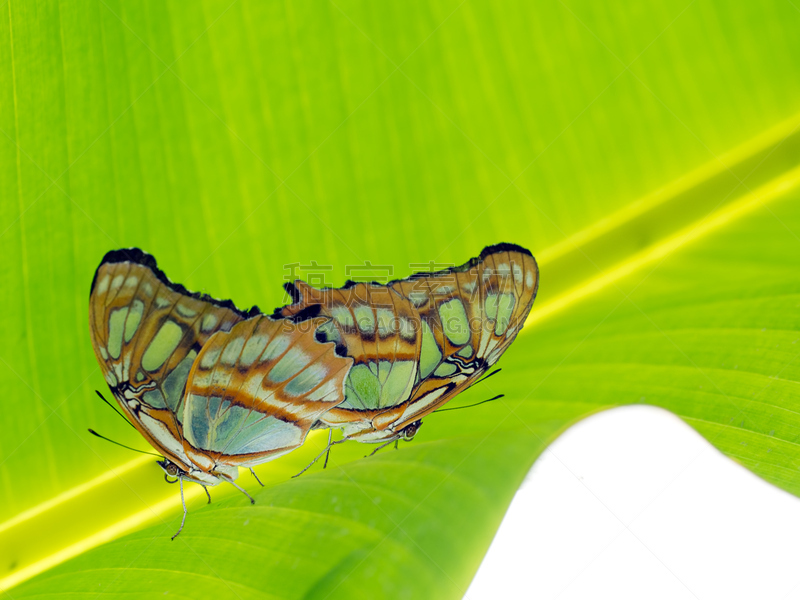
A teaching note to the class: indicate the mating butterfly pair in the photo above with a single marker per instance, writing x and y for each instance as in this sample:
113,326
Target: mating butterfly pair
214,388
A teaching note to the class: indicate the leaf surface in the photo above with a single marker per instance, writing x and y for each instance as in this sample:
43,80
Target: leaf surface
645,154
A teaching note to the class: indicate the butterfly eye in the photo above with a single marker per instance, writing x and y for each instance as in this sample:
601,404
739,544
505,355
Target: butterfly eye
410,431
170,468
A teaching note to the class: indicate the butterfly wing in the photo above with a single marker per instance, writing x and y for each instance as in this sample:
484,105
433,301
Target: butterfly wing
419,341
146,332
254,392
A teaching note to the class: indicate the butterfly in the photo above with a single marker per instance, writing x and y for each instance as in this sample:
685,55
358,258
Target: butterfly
418,342
209,386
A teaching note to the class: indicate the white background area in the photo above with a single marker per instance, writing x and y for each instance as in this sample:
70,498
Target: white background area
633,503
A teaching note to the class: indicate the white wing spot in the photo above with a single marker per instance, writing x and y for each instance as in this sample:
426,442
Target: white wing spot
133,320
232,352
288,366
209,322
102,287
406,329
116,325
386,322
253,349
276,347
210,358
342,315
185,311
126,366
418,298
365,319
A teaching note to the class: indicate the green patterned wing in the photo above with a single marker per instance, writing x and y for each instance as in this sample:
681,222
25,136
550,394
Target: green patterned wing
419,341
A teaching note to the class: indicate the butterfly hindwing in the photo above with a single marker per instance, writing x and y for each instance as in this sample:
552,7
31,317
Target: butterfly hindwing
380,330
146,332
419,341
254,392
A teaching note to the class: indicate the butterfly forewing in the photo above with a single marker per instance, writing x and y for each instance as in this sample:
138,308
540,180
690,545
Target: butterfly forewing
474,312
255,392
146,333
419,341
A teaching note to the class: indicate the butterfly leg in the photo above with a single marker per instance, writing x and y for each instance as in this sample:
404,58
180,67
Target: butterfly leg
205,489
183,520
256,476
382,446
396,443
252,501
326,451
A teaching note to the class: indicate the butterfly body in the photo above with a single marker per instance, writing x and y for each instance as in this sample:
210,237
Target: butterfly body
214,388
211,387
146,333
418,342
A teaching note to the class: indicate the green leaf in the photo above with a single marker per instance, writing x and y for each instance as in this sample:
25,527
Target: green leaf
646,154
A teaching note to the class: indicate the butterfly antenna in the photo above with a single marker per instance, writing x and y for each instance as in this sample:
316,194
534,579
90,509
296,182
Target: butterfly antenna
485,377
470,405
114,408
102,437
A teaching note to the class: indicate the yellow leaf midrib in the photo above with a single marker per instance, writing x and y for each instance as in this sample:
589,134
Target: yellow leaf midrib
725,189
665,216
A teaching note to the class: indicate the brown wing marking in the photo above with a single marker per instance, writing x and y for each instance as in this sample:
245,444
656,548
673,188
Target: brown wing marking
255,392
484,286
146,331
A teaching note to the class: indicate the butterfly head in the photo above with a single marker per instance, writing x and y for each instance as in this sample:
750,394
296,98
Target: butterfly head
173,470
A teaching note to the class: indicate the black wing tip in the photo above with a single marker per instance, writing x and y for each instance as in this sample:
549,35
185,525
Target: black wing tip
503,247
296,296
140,257
506,247
134,255
486,252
